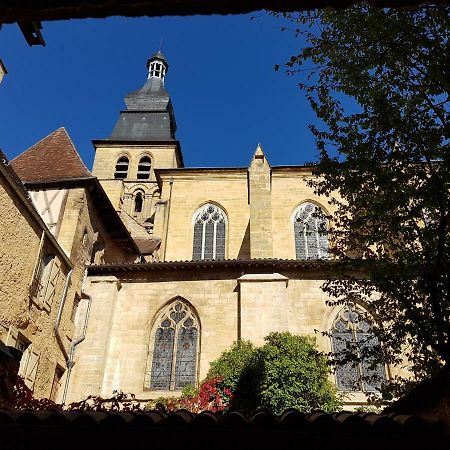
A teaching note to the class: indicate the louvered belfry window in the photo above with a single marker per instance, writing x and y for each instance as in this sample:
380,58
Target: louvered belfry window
175,350
121,170
144,167
209,233
352,334
310,229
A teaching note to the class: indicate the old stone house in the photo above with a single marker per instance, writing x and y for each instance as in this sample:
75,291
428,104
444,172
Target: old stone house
171,265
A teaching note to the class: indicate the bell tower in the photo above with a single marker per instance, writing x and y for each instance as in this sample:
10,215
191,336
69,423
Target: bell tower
143,139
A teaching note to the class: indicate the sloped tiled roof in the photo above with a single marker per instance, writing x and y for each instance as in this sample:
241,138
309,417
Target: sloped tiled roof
208,430
52,158
148,246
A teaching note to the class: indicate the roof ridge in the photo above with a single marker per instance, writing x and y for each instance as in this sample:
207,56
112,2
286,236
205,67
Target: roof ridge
38,142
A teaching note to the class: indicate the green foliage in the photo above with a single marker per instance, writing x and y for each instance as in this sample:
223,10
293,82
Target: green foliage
286,372
378,79
189,391
232,363
295,375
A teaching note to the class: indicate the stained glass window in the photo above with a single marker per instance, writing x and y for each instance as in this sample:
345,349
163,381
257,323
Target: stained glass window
209,233
352,335
310,229
175,349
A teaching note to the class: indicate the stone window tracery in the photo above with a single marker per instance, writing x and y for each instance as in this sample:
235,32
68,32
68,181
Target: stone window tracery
352,334
310,230
209,233
175,349
121,170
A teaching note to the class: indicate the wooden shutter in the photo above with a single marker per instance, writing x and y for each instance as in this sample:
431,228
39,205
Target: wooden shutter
52,282
37,270
29,365
12,337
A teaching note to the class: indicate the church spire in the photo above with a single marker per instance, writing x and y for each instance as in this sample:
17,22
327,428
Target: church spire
149,113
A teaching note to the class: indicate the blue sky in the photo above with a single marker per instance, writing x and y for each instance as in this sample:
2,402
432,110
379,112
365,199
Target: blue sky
226,94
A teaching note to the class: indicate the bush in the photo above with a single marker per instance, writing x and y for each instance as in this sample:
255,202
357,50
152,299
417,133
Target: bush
231,363
295,375
286,372
210,396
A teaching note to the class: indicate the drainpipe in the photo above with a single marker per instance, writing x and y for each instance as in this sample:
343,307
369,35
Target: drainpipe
60,310
70,358
167,219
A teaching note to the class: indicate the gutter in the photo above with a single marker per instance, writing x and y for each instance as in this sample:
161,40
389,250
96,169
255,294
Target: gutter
167,220
70,359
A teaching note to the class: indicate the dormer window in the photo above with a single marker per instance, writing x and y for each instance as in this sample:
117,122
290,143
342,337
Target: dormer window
144,166
121,171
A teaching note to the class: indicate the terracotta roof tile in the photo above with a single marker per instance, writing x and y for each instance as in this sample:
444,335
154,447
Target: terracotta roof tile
52,158
148,246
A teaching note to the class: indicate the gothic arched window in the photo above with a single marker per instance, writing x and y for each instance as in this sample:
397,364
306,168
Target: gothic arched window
138,202
175,349
144,166
310,230
209,233
121,171
352,335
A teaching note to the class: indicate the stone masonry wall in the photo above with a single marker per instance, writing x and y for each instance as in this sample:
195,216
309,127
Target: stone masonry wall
22,317
229,305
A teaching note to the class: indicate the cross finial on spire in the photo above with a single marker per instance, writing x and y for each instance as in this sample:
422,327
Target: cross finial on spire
160,44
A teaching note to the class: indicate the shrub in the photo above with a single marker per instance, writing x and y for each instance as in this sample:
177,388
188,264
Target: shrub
295,375
210,396
286,372
232,363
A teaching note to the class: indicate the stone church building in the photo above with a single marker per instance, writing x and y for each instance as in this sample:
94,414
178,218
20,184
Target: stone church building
164,266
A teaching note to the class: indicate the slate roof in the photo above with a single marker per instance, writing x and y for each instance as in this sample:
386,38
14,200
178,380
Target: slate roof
149,115
52,158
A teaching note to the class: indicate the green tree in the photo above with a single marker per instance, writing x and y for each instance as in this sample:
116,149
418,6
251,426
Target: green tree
379,80
286,372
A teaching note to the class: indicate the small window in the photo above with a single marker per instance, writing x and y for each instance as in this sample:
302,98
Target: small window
41,275
85,237
21,343
144,166
98,251
138,202
76,303
121,168
45,280
56,385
